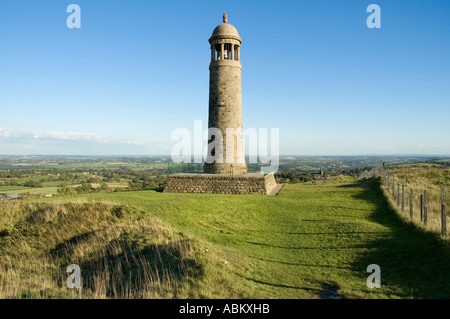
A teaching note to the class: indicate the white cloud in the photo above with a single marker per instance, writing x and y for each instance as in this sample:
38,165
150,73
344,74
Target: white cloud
54,142
67,136
428,147
4,133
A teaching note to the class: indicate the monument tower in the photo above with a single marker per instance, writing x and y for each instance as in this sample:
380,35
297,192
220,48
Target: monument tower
225,101
224,173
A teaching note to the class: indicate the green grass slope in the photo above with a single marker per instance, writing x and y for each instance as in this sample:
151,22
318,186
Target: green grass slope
307,242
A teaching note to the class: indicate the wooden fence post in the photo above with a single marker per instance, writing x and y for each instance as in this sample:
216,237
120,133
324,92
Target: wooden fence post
444,219
403,198
411,204
443,213
425,208
421,207
398,194
393,189
389,183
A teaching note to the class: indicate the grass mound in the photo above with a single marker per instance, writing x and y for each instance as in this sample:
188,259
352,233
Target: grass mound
120,253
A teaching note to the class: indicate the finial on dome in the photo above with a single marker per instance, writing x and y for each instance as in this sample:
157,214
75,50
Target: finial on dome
225,18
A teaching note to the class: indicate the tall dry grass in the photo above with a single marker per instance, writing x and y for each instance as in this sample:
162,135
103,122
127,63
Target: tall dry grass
418,179
121,252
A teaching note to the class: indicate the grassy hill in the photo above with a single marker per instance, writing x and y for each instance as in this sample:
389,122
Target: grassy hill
310,241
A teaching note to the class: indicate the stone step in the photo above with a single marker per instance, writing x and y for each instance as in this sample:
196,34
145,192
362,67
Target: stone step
276,190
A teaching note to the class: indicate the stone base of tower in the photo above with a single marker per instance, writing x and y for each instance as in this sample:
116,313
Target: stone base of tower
251,183
225,169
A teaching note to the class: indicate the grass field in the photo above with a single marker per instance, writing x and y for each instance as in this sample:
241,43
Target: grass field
306,242
84,163
50,188
5,189
30,190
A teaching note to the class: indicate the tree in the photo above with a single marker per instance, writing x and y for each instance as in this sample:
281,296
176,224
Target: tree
84,188
12,182
66,190
32,183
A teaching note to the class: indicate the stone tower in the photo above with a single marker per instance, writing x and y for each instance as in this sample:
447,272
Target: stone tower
229,175
225,101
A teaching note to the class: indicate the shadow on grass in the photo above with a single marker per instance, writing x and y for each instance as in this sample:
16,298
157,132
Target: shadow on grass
411,258
266,283
366,183
153,269
330,247
158,189
282,262
134,271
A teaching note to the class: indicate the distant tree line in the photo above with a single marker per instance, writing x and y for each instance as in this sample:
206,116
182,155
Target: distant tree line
288,176
84,188
15,182
292,176
137,180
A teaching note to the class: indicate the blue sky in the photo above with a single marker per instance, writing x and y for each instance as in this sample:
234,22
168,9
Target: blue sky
136,70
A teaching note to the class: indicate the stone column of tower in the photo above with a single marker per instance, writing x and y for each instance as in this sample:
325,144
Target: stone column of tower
225,101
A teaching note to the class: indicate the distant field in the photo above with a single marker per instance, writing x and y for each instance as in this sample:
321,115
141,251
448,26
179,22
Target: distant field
117,185
51,184
297,244
5,189
33,190
407,165
33,178
84,165
163,164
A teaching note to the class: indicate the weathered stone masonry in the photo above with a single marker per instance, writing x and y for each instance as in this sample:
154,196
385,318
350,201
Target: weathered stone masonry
225,97
221,184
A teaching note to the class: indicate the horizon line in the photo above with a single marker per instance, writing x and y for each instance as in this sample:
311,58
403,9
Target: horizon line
281,155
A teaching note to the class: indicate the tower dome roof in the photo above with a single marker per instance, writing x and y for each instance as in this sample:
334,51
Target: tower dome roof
225,30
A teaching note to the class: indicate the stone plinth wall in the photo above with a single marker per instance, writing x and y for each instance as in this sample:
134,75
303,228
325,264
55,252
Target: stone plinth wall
220,184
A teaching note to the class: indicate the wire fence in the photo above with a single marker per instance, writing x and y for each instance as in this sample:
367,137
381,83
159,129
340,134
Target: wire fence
424,206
